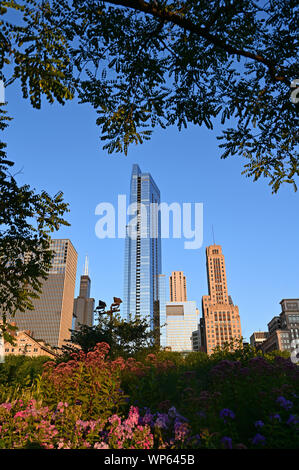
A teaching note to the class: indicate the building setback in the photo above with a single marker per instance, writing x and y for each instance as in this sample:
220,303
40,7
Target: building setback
221,320
177,287
51,317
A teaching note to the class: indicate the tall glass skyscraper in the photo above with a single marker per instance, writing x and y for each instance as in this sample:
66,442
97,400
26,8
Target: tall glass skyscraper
144,285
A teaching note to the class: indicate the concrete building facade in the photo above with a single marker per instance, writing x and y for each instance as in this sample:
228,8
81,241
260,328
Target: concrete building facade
257,339
177,287
283,329
26,345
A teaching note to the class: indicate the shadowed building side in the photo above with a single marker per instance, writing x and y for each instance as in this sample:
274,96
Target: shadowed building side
83,304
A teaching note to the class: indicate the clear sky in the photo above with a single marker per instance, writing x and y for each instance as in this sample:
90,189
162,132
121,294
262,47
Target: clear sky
58,148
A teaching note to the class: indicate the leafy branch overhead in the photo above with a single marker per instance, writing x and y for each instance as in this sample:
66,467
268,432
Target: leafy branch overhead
143,64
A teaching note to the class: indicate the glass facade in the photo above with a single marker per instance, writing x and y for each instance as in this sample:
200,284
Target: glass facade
182,321
143,287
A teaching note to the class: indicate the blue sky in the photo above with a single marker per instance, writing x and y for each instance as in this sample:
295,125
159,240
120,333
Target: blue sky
58,148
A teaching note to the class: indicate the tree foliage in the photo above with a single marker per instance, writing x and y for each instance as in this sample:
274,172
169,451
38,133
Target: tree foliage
27,219
125,337
143,64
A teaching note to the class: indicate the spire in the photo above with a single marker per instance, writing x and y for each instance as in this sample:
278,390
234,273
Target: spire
86,266
213,235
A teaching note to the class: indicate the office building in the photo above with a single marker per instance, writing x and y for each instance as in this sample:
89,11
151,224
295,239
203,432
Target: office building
257,339
83,304
181,321
283,329
51,317
177,287
144,289
221,319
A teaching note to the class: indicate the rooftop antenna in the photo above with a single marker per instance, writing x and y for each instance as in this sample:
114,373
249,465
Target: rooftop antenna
86,266
213,234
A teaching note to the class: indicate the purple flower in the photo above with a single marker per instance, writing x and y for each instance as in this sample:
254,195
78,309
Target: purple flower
293,419
226,413
259,424
227,442
148,418
162,421
259,439
286,404
275,416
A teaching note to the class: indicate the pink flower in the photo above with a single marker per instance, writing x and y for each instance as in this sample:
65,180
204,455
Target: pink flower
6,406
101,445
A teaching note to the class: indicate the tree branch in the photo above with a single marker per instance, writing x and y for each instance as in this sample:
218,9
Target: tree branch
175,18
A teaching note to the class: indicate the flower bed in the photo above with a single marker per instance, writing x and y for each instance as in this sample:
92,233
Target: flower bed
155,403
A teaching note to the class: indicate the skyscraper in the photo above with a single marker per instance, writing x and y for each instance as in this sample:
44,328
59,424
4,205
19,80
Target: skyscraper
51,318
221,319
83,304
177,287
144,287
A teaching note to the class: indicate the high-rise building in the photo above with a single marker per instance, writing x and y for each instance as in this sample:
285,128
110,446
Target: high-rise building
177,287
143,286
83,304
181,321
51,317
221,319
283,329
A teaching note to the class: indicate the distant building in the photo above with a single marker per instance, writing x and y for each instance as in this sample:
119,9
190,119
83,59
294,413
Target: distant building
177,287
283,329
221,320
83,304
51,317
257,338
181,321
195,340
26,345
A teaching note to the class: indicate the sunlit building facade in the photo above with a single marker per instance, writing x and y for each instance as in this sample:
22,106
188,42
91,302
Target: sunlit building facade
177,287
221,320
144,289
52,314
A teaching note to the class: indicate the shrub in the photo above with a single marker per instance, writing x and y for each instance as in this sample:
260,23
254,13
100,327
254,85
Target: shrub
87,379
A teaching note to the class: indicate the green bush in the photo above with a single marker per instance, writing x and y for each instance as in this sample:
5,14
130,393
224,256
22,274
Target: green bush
21,370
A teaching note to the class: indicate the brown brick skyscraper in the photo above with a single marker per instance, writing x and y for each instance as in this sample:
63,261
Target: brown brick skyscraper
52,316
177,287
221,319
